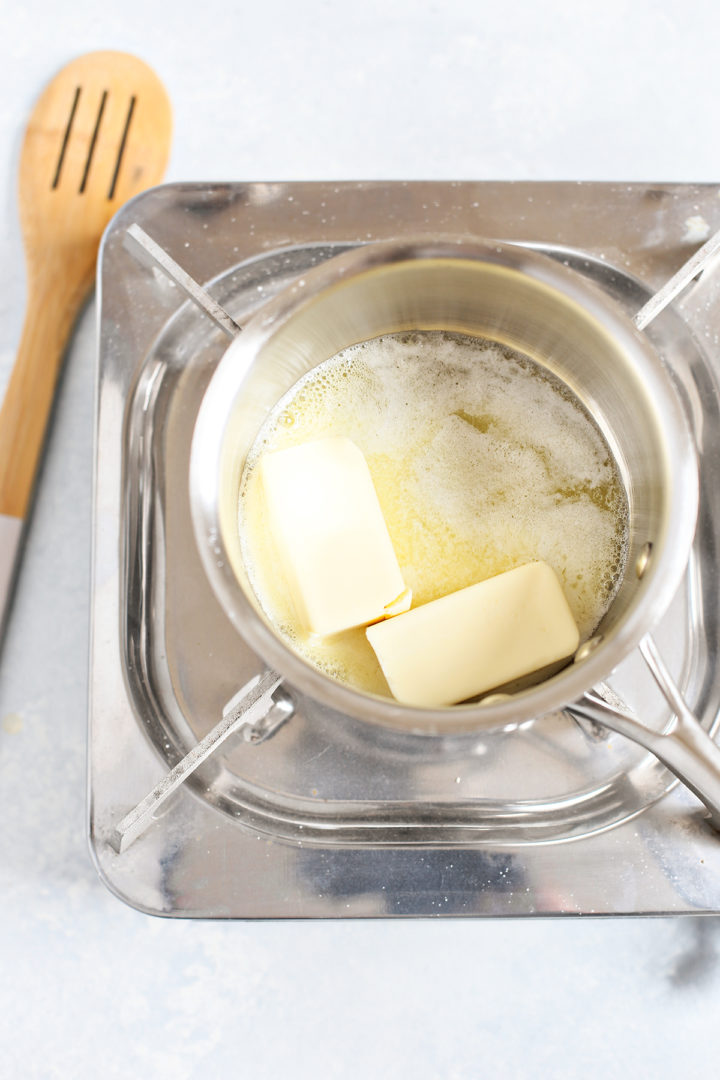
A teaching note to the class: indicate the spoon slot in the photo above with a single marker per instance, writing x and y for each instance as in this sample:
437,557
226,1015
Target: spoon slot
121,147
93,142
66,137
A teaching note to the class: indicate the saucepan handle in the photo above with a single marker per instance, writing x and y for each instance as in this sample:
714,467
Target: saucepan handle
685,748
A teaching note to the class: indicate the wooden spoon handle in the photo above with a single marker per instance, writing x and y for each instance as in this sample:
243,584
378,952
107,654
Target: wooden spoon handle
28,400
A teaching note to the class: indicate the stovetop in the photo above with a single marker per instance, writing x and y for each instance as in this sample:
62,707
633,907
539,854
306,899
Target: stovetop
328,818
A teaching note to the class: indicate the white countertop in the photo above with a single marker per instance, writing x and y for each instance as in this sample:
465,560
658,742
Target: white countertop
316,90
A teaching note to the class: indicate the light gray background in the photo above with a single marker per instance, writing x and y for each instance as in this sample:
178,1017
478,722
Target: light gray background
311,90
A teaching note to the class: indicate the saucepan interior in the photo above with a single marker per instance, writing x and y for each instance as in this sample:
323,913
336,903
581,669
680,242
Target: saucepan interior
504,293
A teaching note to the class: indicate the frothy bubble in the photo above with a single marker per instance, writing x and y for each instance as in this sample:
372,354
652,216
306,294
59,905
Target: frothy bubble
482,461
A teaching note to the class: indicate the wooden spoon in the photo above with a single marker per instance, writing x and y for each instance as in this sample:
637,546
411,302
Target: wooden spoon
99,134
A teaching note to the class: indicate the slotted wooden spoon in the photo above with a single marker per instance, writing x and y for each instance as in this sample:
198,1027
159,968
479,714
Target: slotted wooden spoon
99,134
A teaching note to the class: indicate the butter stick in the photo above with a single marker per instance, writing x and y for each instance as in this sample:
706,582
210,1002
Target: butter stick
476,639
330,533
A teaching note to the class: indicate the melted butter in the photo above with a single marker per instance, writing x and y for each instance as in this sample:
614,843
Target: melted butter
481,460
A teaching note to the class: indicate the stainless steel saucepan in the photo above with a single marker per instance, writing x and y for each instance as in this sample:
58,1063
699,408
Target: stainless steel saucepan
507,294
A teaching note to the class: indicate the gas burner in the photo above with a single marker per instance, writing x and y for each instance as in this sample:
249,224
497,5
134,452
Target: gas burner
320,816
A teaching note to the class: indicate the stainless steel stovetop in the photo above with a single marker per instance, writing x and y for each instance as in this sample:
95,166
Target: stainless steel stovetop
327,818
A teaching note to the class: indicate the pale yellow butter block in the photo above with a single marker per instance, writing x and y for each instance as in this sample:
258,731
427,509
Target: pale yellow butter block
331,535
477,638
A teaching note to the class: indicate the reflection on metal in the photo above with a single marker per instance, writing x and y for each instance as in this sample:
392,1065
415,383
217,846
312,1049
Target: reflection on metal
643,560
587,648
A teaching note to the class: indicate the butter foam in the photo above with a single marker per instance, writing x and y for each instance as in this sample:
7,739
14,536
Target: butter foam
482,461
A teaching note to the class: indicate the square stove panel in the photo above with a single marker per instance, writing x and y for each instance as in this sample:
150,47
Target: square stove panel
329,817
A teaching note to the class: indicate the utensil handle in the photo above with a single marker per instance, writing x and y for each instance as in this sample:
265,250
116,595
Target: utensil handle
688,750
55,298
695,759
52,309
685,748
